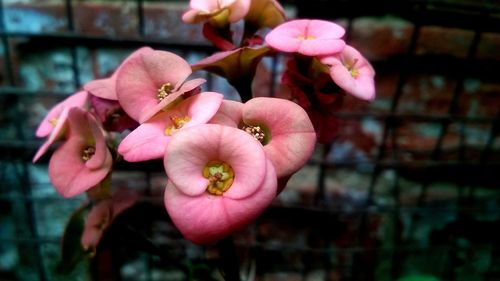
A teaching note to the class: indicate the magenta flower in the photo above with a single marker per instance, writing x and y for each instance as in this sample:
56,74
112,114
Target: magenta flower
106,88
217,12
102,215
283,128
307,37
219,181
83,160
149,82
352,72
52,118
111,115
149,140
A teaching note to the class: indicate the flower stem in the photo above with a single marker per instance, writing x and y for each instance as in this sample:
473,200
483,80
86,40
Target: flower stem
229,260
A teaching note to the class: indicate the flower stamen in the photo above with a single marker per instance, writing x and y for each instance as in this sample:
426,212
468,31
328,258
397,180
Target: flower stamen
177,123
255,131
164,91
220,177
87,153
350,65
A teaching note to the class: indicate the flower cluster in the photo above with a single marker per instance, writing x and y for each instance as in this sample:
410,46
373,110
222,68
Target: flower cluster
225,160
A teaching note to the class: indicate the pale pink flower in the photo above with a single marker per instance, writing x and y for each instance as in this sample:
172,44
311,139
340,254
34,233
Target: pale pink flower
53,117
55,134
102,215
218,12
83,160
219,181
282,127
307,37
149,140
229,114
106,88
149,82
352,72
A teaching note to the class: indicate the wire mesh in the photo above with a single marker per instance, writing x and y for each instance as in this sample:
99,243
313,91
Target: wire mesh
384,228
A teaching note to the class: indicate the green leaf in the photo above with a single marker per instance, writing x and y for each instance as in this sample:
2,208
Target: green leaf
418,278
72,251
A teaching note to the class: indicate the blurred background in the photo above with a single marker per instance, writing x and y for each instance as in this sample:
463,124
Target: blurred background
408,190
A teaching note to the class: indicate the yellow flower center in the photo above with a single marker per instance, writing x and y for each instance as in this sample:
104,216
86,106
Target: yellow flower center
87,153
220,177
256,131
164,91
53,122
304,37
350,65
177,123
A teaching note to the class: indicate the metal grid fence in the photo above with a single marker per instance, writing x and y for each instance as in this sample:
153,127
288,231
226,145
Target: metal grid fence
341,238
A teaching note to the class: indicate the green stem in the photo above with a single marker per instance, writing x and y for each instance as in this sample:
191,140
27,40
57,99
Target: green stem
229,259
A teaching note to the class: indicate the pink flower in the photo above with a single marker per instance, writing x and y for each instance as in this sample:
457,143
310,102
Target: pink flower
218,12
83,160
307,37
352,72
50,121
219,181
56,133
148,82
282,127
229,114
149,140
106,88
102,215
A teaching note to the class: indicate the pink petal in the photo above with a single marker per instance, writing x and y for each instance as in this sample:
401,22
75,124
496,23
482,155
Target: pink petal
238,9
69,174
103,88
139,79
292,135
76,100
106,88
189,85
54,135
363,85
206,6
307,37
244,211
207,218
192,148
148,141
229,114
320,47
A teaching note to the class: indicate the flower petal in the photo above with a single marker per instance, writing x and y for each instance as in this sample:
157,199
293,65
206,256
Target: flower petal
207,218
229,114
147,113
106,88
149,141
54,135
307,37
139,79
76,100
191,149
68,172
292,135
